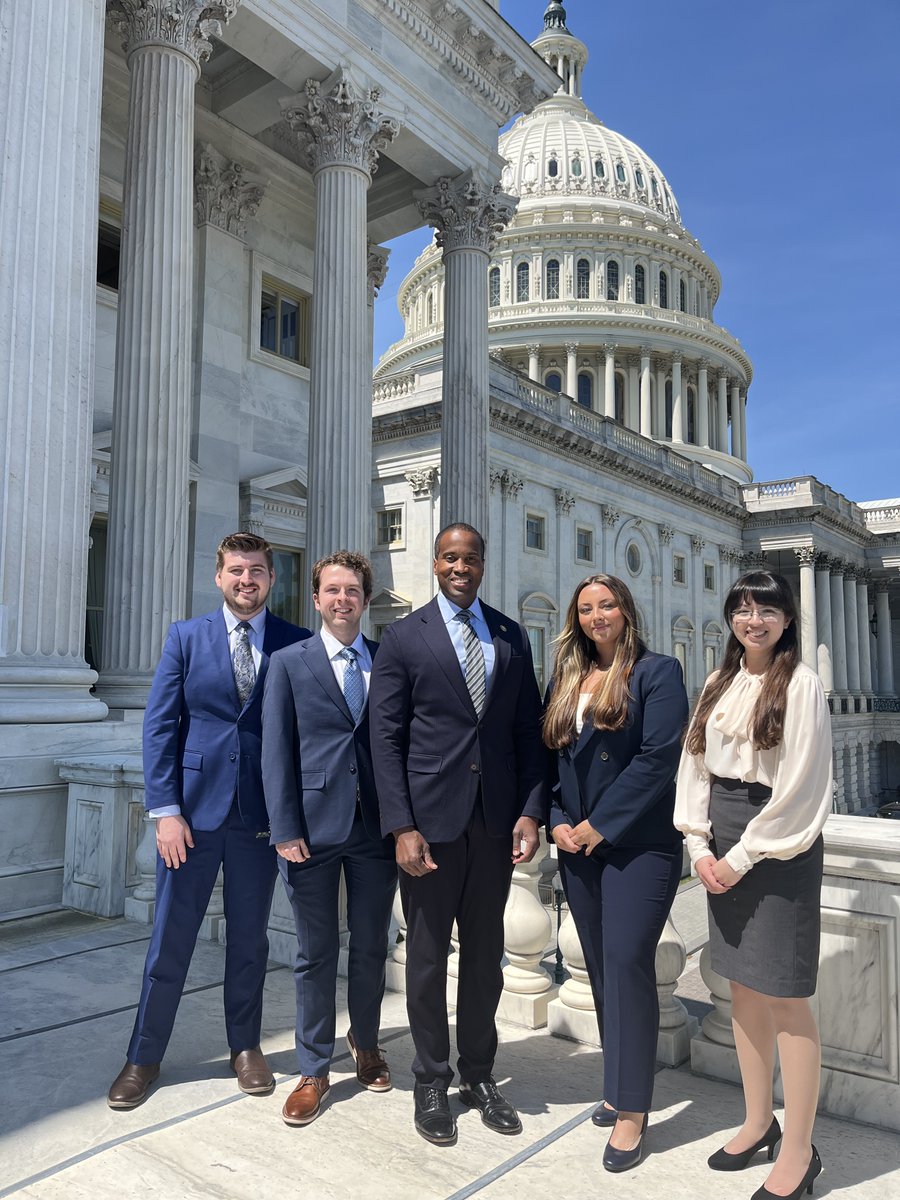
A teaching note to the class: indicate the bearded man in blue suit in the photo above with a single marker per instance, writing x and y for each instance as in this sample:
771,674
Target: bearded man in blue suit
203,785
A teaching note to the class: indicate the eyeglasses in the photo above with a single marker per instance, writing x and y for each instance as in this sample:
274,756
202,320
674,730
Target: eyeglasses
769,616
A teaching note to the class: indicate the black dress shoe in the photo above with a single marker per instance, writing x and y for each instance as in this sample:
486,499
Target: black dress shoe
805,1185
624,1160
496,1111
723,1161
604,1116
433,1119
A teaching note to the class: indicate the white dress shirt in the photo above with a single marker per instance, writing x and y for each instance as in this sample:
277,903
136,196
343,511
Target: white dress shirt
455,629
333,649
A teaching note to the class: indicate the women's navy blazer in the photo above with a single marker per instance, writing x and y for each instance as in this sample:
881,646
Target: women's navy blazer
623,781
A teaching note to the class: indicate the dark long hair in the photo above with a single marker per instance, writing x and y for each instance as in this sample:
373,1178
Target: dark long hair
766,590
575,659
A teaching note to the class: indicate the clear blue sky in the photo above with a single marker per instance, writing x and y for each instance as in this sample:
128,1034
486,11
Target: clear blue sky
777,123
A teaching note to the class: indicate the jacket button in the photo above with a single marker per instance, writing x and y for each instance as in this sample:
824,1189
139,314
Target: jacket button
474,767
604,756
232,757
353,770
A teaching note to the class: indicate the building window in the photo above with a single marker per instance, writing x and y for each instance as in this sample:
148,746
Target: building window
612,281
691,408
679,649
679,568
553,279
429,309
620,172
639,177
390,527
535,532
654,186
584,545
494,287
284,321
286,597
709,577
523,276
663,290
553,381
599,169
553,168
536,640
633,559
640,285
620,399
682,296
585,390
583,280
109,248
670,408
576,167
96,582
709,659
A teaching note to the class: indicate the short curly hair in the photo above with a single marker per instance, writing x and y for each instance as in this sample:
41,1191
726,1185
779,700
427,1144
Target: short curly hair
243,543
357,563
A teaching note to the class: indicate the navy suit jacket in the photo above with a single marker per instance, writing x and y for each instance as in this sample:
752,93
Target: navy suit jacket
623,781
201,746
315,758
430,750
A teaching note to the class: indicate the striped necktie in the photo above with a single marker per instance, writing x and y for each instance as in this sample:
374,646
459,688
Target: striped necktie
242,663
475,674
354,688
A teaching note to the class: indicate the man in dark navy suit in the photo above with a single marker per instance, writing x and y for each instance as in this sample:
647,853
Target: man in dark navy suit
456,746
203,785
320,793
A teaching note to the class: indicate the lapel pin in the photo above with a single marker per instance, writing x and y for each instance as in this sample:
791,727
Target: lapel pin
503,629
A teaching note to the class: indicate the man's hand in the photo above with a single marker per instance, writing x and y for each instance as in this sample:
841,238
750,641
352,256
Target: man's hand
586,836
706,873
296,850
173,839
562,835
413,853
525,840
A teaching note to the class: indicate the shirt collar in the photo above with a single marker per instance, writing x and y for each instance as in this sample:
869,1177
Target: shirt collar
333,647
449,609
257,623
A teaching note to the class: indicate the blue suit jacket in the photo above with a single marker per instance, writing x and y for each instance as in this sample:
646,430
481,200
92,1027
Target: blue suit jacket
430,750
201,746
315,758
623,781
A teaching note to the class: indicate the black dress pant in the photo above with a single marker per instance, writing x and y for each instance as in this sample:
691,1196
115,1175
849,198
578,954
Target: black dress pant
470,887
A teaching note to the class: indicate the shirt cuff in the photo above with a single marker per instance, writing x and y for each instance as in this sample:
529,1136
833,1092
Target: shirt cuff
697,847
738,859
166,810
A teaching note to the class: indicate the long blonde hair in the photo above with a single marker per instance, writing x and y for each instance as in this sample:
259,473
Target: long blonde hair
576,658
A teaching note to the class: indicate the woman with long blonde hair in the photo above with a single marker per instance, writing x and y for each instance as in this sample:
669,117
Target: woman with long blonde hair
614,717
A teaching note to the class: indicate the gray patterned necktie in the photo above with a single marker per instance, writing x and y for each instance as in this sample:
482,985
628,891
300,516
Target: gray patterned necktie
354,689
242,663
475,673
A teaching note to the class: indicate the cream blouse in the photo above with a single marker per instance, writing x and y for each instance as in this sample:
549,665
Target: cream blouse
798,770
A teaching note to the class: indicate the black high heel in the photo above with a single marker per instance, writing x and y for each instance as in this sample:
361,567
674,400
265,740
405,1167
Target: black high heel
603,1116
624,1160
806,1183
723,1161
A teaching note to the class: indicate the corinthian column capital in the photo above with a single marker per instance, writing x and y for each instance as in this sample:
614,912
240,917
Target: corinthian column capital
339,123
185,25
376,268
466,213
223,195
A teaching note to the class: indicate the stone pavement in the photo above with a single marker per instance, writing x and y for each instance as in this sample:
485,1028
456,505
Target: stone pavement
68,988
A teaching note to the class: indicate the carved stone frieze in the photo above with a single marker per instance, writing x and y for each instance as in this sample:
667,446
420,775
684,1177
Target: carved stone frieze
223,195
339,123
422,481
185,25
466,213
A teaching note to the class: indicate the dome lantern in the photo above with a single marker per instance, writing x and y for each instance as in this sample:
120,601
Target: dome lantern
562,51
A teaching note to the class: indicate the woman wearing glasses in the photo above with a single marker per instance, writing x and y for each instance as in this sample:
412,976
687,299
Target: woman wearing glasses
754,789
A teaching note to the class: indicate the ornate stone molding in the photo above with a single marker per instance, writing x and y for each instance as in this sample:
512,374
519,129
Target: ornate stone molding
185,25
755,560
609,350
565,501
422,481
223,195
571,347
611,516
730,555
666,533
697,543
512,484
466,213
882,585
339,123
806,555
851,572
376,268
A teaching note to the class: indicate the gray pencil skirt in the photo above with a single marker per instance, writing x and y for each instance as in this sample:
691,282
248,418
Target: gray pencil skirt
764,932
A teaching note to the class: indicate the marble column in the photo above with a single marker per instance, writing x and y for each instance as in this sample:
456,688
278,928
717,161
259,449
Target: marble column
146,578
699,669
838,629
50,77
809,640
862,622
742,415
825,655
678,422
534,362
660,422
467,214
632,403
883,628
722,414
646,422
737,448
609,382
703,403
572,369
342,127
852,627
610,517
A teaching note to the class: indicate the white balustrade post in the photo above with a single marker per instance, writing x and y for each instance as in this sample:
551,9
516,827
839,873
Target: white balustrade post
712,1049
676,1028
527,930
573,1013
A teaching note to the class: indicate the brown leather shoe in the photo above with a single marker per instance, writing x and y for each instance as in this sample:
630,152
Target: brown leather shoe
131,1085
252,1070
372,1070
304,1102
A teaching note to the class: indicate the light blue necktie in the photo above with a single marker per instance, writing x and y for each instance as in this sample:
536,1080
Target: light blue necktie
354,688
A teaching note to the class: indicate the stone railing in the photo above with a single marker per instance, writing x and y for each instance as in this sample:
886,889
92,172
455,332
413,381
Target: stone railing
803,492
882,520
394,388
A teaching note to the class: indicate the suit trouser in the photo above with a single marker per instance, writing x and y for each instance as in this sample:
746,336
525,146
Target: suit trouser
182,896
370,871
619,901
470,886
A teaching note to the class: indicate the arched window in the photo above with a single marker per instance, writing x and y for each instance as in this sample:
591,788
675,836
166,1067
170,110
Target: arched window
612,281
663,290
639,177
576,167
583,280
429,310
523,276
669,408
620,172
585,390
682,295
654,186
640,285
553,279
494,287
553,381
599,168
620,399
552,168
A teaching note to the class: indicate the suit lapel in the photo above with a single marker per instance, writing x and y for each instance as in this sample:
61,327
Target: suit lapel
219,655
319,666
434,631
497,628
